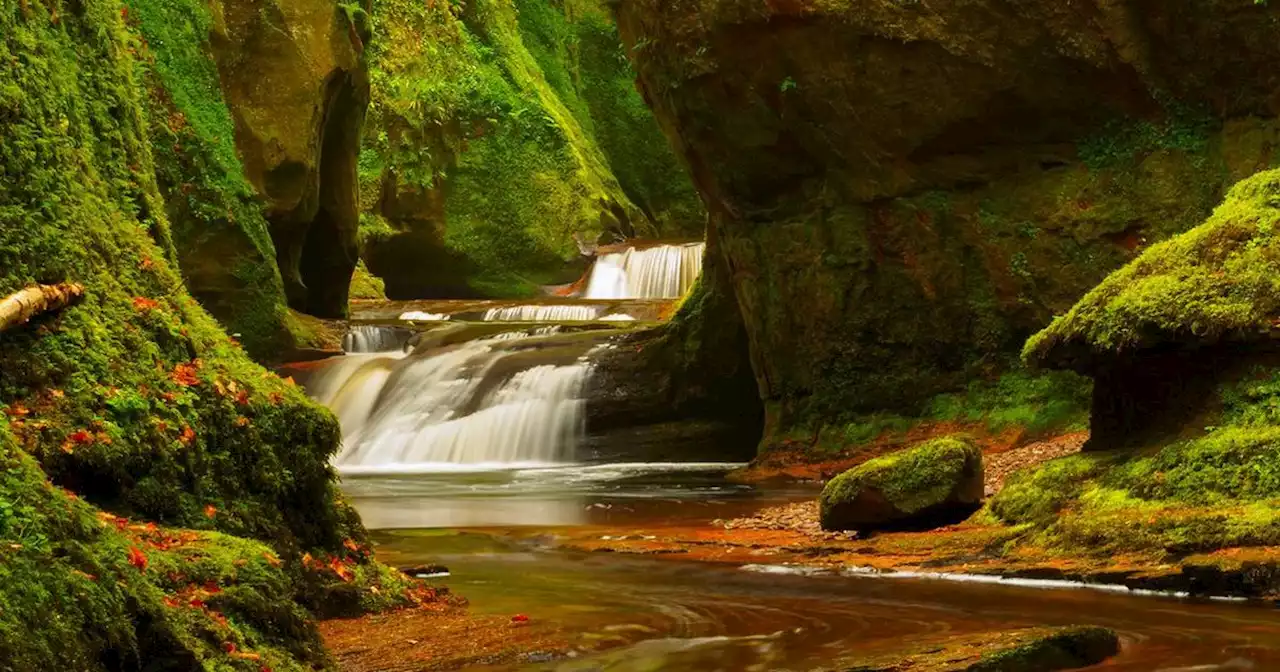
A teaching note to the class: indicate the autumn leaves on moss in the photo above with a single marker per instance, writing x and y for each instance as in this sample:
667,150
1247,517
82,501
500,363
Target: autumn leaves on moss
136,437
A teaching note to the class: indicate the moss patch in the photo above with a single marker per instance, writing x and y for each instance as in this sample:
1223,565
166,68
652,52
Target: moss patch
1020,650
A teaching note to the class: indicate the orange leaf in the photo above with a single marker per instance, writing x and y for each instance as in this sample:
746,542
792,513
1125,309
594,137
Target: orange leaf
137,559
188,435
242,421
185,375
210,510
272,559
142,304
81,437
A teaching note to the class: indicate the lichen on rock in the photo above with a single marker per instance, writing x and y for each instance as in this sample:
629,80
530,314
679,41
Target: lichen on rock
934,483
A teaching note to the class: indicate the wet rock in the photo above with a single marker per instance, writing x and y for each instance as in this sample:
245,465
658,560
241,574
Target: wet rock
1029,650
936,483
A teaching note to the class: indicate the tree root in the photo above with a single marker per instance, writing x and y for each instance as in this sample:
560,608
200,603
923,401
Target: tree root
18,308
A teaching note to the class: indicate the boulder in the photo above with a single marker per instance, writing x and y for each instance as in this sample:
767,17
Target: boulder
935,483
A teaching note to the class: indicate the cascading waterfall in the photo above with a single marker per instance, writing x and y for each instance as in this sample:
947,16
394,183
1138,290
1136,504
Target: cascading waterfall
542,314
482,402
366,338
661,272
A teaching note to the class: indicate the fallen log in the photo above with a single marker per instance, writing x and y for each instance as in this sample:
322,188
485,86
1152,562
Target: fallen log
18,308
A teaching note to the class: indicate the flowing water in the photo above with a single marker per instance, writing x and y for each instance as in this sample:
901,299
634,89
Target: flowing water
661,272
634,613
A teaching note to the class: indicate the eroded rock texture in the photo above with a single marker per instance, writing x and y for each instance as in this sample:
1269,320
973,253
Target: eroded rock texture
906,190
293,77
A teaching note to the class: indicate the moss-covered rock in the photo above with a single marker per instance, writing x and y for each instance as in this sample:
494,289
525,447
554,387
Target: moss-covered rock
1218,282
1026,650
937,482
893,234
134,402
499,133
294,76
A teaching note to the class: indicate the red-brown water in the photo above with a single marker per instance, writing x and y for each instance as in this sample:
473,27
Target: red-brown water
651,614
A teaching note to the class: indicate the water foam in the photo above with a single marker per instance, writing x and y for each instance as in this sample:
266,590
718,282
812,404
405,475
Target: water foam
662,272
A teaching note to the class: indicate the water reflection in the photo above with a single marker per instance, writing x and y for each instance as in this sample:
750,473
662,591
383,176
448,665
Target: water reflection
549,495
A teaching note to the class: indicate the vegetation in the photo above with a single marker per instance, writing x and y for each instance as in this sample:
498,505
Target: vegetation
163,499
531,96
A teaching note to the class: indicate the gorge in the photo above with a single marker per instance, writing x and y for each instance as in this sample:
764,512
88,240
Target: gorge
639,334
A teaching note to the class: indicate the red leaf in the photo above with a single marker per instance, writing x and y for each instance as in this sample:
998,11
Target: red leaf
519,618
142,304
229,647
137,559
81,437
185,374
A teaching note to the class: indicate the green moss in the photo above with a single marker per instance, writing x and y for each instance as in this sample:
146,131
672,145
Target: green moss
365,285
1217,281
135,399
1067,648
467,97
912,480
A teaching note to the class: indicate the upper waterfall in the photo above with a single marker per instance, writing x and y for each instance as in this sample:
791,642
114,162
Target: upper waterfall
660,272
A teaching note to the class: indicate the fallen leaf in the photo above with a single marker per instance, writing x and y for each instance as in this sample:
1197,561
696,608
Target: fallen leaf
138,559
210,510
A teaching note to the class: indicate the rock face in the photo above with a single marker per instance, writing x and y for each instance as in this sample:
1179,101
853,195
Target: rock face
681,392
500,134
905,191
293,75
933,484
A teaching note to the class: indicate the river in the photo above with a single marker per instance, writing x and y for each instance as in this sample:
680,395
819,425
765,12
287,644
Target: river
495,532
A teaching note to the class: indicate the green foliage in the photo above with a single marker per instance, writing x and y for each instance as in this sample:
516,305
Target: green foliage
1216,281
525,125
1037,403
1123,141
913,479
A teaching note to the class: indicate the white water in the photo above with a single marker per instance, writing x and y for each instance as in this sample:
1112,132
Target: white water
419,316
364,338
662,272
542,314
456,405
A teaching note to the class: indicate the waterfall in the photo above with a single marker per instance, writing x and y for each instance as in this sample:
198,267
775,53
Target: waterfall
366,338
493,401
542,314
661,272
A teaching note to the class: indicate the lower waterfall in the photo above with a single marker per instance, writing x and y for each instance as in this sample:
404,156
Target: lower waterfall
495,401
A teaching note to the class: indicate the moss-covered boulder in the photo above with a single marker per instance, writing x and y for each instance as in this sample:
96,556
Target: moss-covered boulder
1022,650
893,233
1159,335
500,134
934,483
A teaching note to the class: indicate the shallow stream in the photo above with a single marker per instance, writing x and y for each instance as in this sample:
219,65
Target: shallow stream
635,613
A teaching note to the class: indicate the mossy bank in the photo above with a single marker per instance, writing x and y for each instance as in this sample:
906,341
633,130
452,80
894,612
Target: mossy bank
165,499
